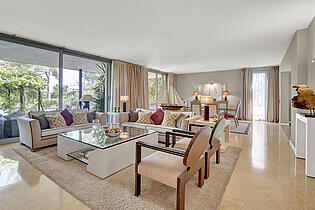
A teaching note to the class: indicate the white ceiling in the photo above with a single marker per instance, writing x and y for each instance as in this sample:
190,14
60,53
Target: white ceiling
177,36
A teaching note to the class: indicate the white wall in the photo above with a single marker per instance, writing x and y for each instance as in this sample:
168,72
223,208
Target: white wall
297,60
285,96
187,83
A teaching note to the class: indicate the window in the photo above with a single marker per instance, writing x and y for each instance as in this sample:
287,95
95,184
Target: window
30,81
155,81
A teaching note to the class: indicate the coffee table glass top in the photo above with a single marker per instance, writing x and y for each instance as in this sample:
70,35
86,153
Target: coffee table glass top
96,137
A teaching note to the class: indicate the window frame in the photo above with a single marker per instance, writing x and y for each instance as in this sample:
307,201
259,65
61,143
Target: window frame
65,51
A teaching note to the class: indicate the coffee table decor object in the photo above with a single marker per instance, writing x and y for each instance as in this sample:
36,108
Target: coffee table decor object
103,154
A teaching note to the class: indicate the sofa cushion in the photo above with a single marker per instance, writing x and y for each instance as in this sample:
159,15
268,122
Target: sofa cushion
67,116
56,121
180,120
160,128
79,117
15,115
91,116
170,119
43,122
55,131
144,117
133,116
135,125
157,117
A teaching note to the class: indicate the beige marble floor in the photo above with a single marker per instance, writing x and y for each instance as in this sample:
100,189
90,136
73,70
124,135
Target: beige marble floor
266,176
24,187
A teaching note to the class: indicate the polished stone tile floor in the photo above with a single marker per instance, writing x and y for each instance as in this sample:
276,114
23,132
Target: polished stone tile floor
24,187
266,176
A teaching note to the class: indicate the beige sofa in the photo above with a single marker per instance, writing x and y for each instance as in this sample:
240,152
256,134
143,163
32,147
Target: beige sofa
32,136
124,117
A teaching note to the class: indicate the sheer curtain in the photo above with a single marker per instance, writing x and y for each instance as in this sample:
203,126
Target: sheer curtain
260,93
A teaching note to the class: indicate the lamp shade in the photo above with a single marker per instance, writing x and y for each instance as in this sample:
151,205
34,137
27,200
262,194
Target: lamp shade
196,93
124,98
87,98
206,99
225,93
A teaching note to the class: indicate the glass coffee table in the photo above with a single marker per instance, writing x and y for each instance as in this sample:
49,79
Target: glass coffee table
104,155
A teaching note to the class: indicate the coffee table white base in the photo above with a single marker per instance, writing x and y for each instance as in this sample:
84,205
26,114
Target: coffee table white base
105,162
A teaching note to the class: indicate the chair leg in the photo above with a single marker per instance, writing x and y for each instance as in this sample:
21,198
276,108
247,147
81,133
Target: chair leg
180,201
137,184
237,122
207,165
217,156
201,176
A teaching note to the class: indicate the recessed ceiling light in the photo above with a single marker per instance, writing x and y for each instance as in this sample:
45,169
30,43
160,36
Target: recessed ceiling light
313,61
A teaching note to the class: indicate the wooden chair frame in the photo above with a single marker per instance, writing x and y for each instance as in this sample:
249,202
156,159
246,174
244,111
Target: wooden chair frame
236,110
214,147
181,180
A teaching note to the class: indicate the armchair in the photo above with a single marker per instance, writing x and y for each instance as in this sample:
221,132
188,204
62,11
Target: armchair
173,167
214,142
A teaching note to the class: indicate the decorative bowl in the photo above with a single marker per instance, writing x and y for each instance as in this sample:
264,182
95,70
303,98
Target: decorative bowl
112,134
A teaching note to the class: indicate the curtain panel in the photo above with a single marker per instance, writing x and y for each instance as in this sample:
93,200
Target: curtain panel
247,94
273,95
272,99
131,80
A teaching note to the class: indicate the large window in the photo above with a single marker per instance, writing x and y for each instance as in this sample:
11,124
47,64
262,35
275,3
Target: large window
156,81
30,81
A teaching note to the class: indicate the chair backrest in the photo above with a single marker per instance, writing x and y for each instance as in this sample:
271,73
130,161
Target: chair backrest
217,130
195,106
197,146
237,108
213,110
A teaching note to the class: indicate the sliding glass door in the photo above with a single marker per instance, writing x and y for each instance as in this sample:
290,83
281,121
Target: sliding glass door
40,79
156,81
260,94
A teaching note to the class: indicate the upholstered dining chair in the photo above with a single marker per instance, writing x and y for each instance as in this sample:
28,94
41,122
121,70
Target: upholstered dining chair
173,167
195,106
234,114
214,142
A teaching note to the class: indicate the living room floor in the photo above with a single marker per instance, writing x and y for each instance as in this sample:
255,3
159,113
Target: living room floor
266,176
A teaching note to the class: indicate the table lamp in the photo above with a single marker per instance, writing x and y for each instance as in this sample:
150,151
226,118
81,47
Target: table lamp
86,99
206,100
124,99
225,93
196,94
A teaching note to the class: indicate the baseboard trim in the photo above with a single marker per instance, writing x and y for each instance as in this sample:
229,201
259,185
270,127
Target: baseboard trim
292,147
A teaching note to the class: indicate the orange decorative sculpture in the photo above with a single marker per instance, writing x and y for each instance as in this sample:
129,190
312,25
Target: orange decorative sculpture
305,98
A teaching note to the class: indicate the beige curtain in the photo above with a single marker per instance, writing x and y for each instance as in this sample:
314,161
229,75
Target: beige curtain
172,80
273,95
247,94
131,80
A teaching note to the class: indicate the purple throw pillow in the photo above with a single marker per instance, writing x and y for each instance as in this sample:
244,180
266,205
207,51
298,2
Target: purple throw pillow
67,116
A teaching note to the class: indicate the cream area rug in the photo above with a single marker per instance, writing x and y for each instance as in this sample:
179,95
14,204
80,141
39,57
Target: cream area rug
117,191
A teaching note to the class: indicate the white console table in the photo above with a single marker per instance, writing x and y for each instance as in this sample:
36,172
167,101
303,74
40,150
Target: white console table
305,142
